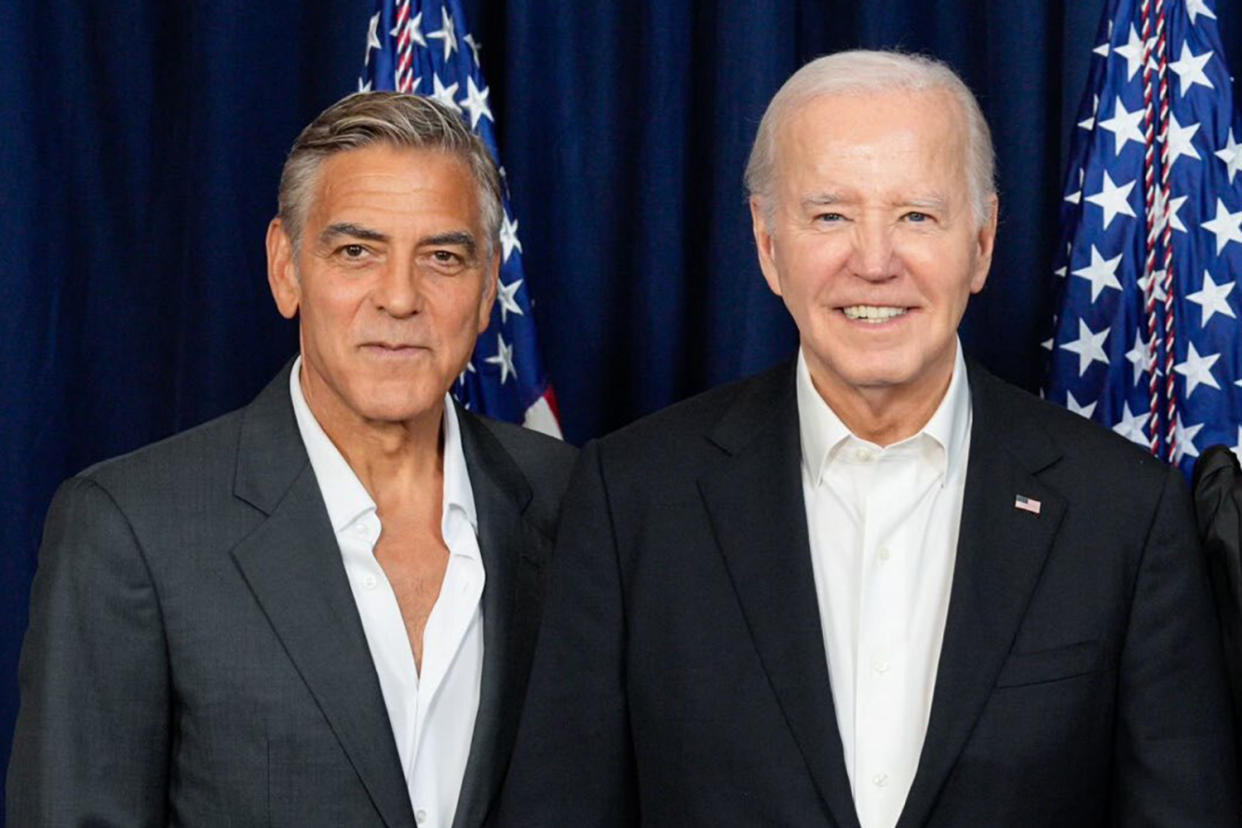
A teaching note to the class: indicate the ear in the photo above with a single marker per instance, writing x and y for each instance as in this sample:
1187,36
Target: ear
986,241
282,275
764,244
491,282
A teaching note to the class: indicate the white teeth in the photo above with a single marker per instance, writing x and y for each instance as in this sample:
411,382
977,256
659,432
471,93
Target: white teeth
872,313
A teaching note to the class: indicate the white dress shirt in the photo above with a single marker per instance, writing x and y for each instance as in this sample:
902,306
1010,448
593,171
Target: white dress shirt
883,526
432,715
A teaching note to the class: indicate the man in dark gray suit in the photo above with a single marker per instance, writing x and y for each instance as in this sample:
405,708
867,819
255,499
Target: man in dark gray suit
318,609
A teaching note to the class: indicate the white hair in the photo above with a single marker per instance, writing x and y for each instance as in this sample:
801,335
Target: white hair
858,72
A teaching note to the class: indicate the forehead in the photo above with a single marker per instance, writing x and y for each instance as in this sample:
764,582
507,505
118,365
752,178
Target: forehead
895,138
383,181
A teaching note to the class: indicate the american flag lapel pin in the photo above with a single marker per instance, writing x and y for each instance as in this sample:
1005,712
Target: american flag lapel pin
1027,504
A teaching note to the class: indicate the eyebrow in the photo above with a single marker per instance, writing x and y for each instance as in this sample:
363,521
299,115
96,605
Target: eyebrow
357,231
934,201
460,238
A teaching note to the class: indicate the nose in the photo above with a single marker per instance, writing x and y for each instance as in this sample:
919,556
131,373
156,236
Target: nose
872,254
398,292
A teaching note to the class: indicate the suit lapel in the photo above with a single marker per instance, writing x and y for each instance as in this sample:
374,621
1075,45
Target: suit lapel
757,510
292,564
512,551
1000,553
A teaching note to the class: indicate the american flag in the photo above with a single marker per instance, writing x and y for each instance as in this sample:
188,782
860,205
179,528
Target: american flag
424,47
1148,339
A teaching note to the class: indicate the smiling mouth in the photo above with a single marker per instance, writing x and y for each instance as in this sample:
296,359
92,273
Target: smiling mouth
873,314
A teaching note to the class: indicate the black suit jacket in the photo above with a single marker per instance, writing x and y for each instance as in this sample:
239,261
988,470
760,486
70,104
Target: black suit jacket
195,655
681,679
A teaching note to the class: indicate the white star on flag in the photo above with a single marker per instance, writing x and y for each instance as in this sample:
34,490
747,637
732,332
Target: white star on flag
1212,298
1194,8
1125,126
1101,273
373,41
415,27
1076,196
1140,356
503,358
469,369
447,33
1226,226
1113,200
1237,447
1131,426
1157,276
1081,410
1231,155
1185,436
1175,204
1189,69
1197,369
475,47
476,102
444,94
508,237
1180,140
1089,346
1132,51
364,86
507,294
1089,122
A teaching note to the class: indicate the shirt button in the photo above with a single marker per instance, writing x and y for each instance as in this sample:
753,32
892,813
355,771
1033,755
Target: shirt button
884,554
420,816
360,528
880,666
370,582
865,455
880,780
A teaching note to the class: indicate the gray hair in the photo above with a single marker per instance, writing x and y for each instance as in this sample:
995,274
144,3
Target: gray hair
858,72
364,119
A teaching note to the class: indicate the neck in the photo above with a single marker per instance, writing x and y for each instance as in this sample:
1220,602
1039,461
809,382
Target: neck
883,414
386,456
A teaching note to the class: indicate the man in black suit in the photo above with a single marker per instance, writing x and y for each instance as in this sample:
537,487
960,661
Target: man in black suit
874,586
318,609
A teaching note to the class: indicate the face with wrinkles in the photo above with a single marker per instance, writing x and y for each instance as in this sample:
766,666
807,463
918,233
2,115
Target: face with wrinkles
393,282
871,241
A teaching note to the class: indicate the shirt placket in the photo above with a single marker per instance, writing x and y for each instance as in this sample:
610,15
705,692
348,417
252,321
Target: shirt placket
881,674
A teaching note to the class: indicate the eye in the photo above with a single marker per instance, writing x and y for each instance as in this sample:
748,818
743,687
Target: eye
917,217
353,252
448,262
829,218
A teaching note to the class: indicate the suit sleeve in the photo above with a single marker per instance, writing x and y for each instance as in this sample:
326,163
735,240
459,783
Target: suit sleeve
91,744
1175,752
573,762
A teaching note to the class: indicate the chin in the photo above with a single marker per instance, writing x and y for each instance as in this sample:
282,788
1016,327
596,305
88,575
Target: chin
399,407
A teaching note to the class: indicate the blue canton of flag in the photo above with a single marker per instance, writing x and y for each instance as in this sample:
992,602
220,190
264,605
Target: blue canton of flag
423,47
1147,336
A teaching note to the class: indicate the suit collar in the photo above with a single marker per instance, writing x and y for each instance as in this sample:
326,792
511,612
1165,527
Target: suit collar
513,552
755,502
1000,555
1001,552
292,564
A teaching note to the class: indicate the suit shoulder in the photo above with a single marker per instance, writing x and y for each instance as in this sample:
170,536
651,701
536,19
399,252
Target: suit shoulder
1094,452
698,414
544,462
530,449
204,451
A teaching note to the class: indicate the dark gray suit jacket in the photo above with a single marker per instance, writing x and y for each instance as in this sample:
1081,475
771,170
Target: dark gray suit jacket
195,655
680,677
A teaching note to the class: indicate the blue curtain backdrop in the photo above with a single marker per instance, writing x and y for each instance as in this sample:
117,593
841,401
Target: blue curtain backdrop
142,142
